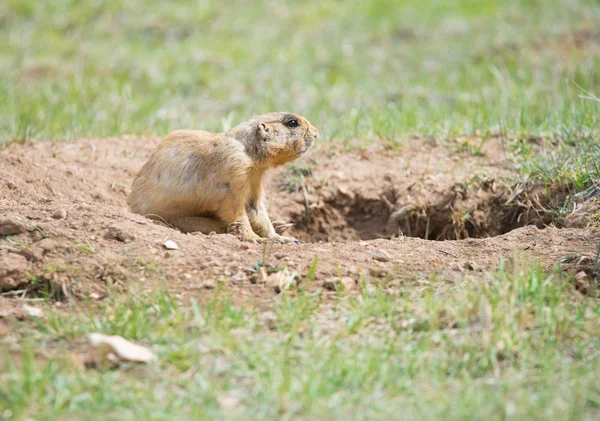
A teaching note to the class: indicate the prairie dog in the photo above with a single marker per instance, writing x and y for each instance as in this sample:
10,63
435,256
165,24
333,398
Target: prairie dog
201,181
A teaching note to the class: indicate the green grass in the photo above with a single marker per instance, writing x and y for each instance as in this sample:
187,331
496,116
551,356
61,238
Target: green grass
519,344
379,69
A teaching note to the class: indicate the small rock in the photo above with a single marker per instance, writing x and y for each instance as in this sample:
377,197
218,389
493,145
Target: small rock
280,281
457,267
31,254
116,349
472,266
345,283
11,185
378,273
380,256
269,319
406,323
370,290
14,225
119,234
582,283
228,402
278,255
238,277
60,214
12,271
171,245
209,284
49,245
32,311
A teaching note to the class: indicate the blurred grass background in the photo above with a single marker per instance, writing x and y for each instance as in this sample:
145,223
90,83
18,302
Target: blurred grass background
360,71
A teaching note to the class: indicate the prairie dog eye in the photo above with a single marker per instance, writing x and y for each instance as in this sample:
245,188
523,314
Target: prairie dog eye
292,123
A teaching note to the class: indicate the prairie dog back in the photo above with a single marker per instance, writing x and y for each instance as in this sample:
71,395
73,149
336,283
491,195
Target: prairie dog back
190,173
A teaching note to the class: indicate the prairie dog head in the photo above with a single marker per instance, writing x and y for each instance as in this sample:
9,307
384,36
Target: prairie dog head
275,138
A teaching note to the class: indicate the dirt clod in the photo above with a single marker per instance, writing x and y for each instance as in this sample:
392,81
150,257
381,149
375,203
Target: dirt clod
582,282
51,245
344,283
119,234
380,256
238,277
209,284
472,266
269,319
370,290
13,268
14,225
60,214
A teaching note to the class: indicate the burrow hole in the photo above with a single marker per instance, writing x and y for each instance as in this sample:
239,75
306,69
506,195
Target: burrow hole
458,214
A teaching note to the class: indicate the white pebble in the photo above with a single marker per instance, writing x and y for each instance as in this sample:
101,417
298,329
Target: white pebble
171,245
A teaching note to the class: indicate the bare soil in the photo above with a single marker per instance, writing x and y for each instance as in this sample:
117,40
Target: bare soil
378,216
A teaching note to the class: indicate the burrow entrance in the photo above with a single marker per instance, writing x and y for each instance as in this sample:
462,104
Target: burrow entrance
480,211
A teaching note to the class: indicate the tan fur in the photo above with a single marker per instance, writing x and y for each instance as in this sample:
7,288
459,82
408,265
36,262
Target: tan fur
201,181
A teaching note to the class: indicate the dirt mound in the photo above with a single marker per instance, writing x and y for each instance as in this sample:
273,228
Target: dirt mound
65,230
425,191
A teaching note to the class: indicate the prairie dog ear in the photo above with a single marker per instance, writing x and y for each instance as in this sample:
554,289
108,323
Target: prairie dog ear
265,132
